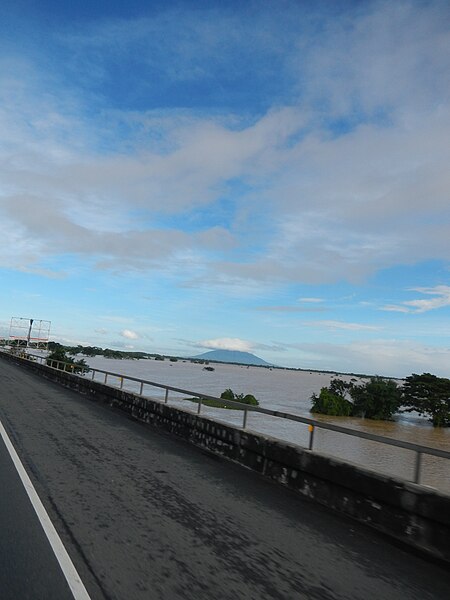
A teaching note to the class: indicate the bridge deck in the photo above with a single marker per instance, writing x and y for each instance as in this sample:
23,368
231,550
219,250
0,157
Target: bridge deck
146,516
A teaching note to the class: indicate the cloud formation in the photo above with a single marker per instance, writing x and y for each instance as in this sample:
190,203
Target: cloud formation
337,201
290,309
227,344
129,334
258,164
440,299
393,358
343,325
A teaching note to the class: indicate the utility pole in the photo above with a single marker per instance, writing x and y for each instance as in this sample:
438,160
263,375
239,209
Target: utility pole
29,332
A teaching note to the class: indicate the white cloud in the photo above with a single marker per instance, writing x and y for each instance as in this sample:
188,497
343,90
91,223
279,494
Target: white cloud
342,325
227,344
312,300
129,334
334,201
392,358
440,299
334,208
388,54
396,308
290,309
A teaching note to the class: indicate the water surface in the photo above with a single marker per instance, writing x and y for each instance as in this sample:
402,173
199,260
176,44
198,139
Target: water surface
290,391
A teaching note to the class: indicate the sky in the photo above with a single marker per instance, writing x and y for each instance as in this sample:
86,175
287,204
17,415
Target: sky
265,176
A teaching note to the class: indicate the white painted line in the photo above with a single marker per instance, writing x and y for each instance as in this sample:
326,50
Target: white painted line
70,573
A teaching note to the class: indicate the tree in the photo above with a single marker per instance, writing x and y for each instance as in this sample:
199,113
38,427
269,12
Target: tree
341,388
228,394
59,359
429,395
331,401
57,355
248,399
91,350
376,399
109,353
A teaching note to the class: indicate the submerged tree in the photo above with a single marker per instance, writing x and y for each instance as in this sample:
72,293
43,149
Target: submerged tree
228,394
333,400
429,395
378,398
66,362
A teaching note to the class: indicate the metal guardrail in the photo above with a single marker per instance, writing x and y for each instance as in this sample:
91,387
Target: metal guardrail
246,408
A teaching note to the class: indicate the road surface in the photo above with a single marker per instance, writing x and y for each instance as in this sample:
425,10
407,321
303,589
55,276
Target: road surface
144,515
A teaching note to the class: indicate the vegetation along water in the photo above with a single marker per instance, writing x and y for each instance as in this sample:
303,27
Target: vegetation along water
291,391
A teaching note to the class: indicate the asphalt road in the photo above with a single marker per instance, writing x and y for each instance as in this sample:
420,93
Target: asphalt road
147,516
28,567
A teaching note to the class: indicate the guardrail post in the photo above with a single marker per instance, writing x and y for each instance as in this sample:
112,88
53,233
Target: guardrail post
199,406
93,374
244,422
121,382
311,436
142,388
106,378
418,467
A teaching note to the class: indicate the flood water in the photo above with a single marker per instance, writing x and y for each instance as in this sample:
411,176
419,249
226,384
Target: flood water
290,392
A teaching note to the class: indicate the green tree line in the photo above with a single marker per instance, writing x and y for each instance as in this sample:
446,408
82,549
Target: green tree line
225,396
97,351
381,398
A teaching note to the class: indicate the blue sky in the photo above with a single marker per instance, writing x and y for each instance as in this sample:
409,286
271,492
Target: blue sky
263,176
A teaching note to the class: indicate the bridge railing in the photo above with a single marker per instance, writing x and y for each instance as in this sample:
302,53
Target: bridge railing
313,424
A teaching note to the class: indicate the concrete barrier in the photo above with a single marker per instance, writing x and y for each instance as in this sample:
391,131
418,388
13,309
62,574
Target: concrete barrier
414,515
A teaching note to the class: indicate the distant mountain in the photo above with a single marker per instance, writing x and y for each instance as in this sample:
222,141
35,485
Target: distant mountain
233,356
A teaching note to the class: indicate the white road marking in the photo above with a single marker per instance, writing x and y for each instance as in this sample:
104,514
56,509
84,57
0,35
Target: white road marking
70,573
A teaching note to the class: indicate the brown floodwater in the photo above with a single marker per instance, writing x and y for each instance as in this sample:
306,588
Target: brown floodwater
290,392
